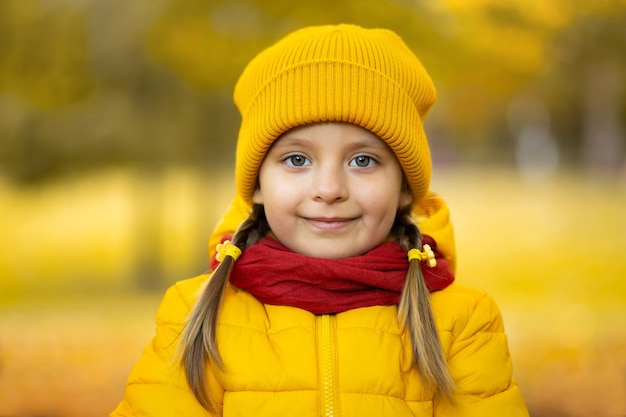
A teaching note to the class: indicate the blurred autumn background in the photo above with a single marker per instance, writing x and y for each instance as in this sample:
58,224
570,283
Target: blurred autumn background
116,156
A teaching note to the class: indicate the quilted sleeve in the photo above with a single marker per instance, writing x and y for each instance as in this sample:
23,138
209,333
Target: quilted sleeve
480,364
157,386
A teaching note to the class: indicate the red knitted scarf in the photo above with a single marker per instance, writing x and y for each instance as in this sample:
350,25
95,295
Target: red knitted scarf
275,275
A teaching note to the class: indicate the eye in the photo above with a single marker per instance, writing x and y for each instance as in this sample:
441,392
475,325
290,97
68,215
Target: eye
362,161
297,160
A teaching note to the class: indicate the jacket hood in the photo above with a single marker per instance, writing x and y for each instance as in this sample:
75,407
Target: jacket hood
431,213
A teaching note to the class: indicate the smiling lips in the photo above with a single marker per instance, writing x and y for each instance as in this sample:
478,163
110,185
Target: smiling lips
329,224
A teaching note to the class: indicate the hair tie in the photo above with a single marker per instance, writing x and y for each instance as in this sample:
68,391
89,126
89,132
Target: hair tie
227,249
428,255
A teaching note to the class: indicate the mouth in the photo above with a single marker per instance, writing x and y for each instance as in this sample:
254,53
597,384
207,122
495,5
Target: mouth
329,224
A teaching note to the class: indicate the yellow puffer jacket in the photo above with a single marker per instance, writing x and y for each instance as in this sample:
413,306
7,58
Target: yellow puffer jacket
283,361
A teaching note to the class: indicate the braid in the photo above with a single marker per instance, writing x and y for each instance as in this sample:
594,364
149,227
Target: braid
406,231
198,340
414,311
253,229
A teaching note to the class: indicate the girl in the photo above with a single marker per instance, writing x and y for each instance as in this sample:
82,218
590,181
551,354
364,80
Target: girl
333,290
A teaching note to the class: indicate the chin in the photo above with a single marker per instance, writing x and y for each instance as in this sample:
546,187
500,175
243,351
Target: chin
327,253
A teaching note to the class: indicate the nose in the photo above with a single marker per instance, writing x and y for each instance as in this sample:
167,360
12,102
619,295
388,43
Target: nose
329,185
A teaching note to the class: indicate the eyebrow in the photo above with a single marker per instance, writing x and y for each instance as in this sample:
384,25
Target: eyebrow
291,141
288,140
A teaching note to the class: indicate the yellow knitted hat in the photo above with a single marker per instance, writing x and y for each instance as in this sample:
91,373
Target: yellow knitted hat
342,73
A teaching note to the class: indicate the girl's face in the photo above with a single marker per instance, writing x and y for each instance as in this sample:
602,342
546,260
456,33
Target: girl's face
330,190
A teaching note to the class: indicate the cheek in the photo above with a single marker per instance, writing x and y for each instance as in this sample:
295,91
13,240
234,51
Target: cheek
269,186
383,208
279,199
383,196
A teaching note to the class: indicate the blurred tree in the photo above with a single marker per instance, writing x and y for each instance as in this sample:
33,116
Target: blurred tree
44,55
495,50
208,42
94,83
91,84
568,55
133,113
44,67
585,86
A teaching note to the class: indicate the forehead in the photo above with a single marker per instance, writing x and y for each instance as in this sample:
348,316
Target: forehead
332,134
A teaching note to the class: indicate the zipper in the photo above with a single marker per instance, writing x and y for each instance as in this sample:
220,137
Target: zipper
329,398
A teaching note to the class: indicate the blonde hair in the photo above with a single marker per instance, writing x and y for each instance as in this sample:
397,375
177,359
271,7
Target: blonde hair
198,344
415,312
